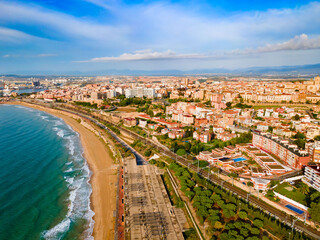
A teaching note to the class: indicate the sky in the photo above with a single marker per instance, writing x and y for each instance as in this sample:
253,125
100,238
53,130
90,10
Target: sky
54,36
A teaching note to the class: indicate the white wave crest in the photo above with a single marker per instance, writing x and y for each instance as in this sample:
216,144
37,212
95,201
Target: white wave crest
68,170
77,177
60,133
57,230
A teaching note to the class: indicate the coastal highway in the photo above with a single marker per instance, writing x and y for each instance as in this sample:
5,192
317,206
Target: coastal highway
286,218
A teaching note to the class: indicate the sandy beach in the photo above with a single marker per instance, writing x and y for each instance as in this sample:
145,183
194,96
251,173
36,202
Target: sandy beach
103,180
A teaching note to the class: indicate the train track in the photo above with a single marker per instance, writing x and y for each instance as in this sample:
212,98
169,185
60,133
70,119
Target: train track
285,218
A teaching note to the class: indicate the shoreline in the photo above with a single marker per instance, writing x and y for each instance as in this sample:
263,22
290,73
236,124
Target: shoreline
103,178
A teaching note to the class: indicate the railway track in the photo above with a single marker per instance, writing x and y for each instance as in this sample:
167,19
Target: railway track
285,218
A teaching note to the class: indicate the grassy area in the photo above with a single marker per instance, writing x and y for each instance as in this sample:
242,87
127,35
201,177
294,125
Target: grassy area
175,200
291,192
138,130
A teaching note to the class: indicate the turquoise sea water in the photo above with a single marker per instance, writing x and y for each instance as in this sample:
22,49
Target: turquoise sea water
44,189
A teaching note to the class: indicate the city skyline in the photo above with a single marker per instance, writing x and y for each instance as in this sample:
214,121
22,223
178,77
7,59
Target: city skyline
95,35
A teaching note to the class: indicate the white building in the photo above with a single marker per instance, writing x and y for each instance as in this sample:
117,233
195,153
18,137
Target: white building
312,176
140,92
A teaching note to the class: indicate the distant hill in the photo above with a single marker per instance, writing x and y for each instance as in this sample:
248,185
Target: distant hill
310,69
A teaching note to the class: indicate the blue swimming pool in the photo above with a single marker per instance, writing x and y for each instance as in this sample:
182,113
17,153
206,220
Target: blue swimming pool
239,159
297,210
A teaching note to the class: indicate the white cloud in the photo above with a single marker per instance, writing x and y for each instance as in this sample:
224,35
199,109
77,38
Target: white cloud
163,25
148,55
12,35
57,24
6,56
301,42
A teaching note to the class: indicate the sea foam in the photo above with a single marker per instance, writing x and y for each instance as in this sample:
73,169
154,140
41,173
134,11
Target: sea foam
77,178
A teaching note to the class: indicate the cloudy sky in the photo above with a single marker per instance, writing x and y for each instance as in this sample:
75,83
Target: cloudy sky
91,35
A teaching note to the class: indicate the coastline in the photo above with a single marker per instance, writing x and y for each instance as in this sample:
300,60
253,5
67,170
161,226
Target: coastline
103,179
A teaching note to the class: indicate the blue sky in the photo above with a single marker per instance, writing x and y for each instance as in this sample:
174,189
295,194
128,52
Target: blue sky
93,35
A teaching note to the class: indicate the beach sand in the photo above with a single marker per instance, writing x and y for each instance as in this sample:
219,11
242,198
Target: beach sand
104,177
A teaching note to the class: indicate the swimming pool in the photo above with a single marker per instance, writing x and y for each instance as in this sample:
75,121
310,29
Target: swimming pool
297,210
239,159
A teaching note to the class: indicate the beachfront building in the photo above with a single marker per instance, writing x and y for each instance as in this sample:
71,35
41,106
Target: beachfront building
282,148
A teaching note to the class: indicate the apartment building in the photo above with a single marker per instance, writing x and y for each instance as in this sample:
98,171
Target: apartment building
282,148
140,92
204,136
312,176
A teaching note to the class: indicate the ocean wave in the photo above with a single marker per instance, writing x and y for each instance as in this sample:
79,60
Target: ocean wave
44,117
90,213
68,170
70,145
60,133
25,108
58,123
57,231
69,180
77,177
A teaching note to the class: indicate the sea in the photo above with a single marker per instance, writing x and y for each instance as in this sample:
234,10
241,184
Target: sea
44,178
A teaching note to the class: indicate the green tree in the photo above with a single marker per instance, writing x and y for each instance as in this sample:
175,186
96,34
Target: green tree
147,153
299,135
218,225
187,146
296,117
249,184
314,211
181,151
301,143
244,232
255,231
242,215
304,188
258,223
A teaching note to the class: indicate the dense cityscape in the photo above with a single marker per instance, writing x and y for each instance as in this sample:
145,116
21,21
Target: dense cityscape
260,135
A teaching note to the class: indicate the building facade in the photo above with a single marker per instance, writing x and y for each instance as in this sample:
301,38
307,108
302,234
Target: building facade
287,152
